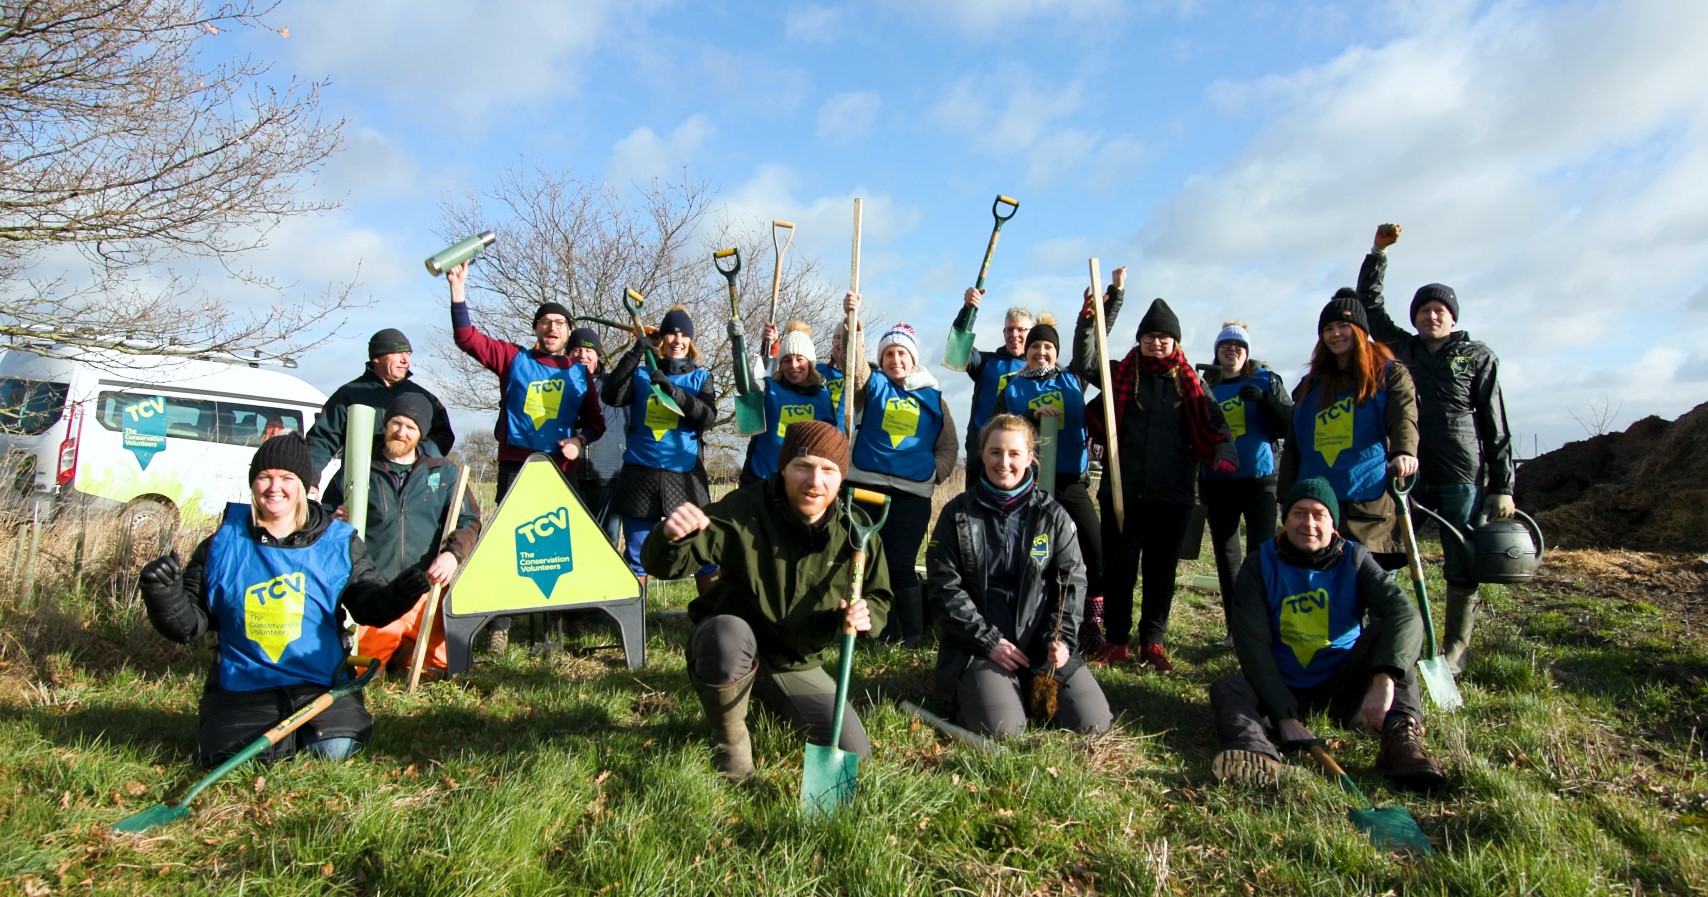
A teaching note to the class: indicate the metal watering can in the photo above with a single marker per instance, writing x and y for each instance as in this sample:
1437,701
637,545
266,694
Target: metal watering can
1497,551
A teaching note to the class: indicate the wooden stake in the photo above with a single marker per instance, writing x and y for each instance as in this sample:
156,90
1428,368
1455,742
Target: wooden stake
424,632
849,328
1111,442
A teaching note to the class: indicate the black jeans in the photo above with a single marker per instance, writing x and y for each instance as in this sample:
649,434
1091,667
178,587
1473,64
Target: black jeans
1151,539
1072,495
903,533
1241,722
1227,501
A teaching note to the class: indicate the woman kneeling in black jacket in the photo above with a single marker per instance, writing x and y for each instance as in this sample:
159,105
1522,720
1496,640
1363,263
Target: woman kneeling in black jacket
1008,588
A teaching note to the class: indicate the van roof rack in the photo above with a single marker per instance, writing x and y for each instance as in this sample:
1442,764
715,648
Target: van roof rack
46,335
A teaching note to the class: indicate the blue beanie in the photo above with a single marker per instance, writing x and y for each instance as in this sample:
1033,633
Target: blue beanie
1234,333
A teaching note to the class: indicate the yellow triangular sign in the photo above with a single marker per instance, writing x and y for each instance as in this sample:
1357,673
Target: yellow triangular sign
540,550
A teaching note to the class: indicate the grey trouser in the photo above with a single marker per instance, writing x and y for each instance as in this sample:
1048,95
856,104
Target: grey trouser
992,701
1242,725
723,649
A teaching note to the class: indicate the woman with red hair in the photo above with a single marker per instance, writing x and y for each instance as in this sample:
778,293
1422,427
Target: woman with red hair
1355,425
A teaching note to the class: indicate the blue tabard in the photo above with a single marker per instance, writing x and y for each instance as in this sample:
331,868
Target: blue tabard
1314,616
898,432
833,384
657,438
1022,394
1346,444
276,608
541,403
988,386
785,406
1253,438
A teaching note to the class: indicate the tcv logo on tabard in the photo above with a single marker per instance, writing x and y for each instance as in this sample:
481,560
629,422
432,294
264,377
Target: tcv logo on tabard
1334,430
1304,624
272,613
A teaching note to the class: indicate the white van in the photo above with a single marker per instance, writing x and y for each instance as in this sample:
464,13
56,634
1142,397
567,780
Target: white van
155,436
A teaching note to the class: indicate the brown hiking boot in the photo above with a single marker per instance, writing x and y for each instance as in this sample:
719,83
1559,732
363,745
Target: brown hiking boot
1237,767
497,640
1403,759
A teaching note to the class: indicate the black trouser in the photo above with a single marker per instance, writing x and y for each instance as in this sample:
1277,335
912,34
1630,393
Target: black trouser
903,532
232,720
1152,538
723,649
1242,725
1072,495
1227,501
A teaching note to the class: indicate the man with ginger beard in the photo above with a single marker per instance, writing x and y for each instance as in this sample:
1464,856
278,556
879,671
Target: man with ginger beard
409,495
773,619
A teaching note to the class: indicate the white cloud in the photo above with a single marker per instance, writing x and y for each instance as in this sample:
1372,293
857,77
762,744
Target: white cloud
1018,113
1553,194
813,24
643,155
988,18
848,116
443,56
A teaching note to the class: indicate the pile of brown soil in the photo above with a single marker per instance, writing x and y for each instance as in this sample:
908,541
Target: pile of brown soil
1644,489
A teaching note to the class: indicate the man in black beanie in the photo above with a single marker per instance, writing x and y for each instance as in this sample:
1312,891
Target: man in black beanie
1317,624
548,402
1461,421
386,376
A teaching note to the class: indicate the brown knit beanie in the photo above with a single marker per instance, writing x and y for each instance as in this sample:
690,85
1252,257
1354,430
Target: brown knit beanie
816,438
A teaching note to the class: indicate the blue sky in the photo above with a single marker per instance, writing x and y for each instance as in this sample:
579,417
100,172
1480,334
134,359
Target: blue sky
1546,159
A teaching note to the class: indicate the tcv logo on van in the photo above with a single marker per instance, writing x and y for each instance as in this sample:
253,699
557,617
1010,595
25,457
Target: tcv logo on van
144,433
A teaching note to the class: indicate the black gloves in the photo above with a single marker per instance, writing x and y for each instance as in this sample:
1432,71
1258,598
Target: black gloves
161,579
1251,392
410,585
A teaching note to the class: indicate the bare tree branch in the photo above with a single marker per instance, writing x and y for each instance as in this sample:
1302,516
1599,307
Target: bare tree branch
581,244
117,142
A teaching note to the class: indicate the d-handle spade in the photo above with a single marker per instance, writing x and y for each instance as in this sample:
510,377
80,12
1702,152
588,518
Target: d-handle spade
633,301
749,402
959,350
161,814
1431,667
769,349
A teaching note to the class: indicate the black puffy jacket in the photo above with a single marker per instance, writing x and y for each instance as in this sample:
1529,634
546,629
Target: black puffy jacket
1461,417
958,563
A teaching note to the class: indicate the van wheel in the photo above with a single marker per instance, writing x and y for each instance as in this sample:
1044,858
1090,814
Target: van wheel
146,528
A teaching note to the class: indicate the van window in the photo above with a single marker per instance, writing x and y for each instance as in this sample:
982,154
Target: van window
207,420
29,407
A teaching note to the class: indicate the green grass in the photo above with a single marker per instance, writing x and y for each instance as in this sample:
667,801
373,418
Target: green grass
1574,762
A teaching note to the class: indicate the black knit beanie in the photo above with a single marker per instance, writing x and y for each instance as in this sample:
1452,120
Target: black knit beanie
1436,292
1159,319
1312,487
414,406
286,451
550,308
585,338
386,342
676,320
1344,307
1043,333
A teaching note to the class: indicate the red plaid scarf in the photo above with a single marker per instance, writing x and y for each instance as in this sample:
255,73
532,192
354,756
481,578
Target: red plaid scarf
1201,429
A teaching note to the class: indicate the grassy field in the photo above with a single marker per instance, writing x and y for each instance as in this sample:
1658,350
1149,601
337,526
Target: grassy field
1577,766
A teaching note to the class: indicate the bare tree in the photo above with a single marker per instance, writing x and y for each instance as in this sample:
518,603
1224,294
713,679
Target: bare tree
118,143
582,244
1597,416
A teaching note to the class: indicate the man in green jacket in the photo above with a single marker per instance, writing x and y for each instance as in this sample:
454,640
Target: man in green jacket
409,496
774,618
1317,624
